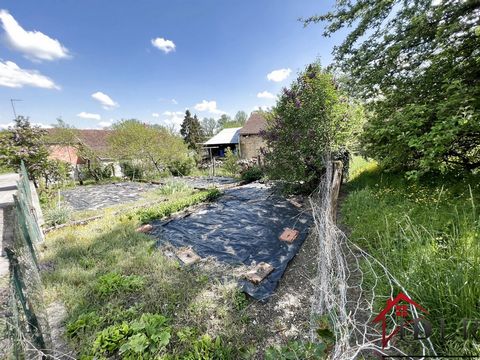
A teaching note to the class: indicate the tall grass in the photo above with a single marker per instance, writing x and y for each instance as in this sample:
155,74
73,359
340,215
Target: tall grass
428,235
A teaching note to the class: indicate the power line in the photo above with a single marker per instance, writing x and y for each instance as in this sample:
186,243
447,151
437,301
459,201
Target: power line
13,107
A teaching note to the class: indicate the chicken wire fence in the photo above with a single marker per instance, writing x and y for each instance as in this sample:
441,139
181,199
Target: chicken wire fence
351,285
26,321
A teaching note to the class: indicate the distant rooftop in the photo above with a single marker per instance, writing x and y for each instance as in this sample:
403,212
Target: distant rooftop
93,139
226,136
255,123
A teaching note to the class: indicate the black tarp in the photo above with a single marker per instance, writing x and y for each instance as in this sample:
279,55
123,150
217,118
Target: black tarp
242,227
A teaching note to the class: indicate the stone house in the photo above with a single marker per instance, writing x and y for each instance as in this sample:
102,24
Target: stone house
250,140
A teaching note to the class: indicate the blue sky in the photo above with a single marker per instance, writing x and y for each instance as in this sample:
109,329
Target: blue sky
93,62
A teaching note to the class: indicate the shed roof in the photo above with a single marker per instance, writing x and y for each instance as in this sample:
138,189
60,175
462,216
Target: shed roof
226,136
255,123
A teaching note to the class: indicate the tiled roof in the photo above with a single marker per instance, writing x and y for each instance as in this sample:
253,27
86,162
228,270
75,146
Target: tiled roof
255,123
95,140
226,136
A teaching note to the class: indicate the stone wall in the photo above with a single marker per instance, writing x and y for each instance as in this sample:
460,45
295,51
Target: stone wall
250,146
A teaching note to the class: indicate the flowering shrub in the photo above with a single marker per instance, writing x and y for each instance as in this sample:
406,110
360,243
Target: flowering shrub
311,119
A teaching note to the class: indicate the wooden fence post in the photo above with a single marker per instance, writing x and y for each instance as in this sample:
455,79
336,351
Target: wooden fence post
336,182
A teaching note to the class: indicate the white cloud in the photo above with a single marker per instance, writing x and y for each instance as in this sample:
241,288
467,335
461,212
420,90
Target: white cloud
105,124
90,116
210,106
11,75
163,44
279,75
155,115
105,100
173,118
265,95
33,44
175,102
6,126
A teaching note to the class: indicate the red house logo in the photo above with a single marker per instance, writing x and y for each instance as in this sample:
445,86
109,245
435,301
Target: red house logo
401,304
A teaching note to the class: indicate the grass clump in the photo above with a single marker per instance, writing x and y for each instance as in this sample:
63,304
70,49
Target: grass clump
166,209
113,283
428,236
58,215
174,187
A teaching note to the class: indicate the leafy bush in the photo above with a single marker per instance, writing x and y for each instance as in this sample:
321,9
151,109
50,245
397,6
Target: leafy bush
58,215
166,209
84,322
173,187
311,118
207,348
181,167
131,171
230,164
252,174
143,338
114,283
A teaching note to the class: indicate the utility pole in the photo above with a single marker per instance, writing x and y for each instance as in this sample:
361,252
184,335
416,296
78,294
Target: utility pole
13,107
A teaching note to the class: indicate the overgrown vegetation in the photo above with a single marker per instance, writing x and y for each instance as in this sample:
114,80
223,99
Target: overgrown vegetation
166,209
24,142
147,150
230,165
428,236
253,173
311,118
126,300
415,64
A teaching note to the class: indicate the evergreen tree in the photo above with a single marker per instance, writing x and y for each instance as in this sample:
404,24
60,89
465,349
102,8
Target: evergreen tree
192,131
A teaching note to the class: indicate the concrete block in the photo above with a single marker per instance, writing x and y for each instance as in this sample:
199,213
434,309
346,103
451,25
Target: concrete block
289,235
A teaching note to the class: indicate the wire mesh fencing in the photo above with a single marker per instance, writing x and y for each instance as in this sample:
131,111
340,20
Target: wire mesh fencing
349,287
27,323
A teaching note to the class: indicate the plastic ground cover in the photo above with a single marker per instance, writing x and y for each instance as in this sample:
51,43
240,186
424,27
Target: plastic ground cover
241,228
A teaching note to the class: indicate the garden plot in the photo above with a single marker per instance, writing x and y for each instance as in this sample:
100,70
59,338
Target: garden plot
242,228
100,196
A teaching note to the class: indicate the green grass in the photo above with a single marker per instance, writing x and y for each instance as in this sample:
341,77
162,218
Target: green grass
427,233
117,287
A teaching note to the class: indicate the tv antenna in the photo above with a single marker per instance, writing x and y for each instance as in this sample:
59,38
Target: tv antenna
12,101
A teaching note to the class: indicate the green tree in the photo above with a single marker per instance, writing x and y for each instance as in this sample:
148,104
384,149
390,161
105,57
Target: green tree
416,66
191,131
241,117
151,146
226,122
24,142
209,127
311,119
230,164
